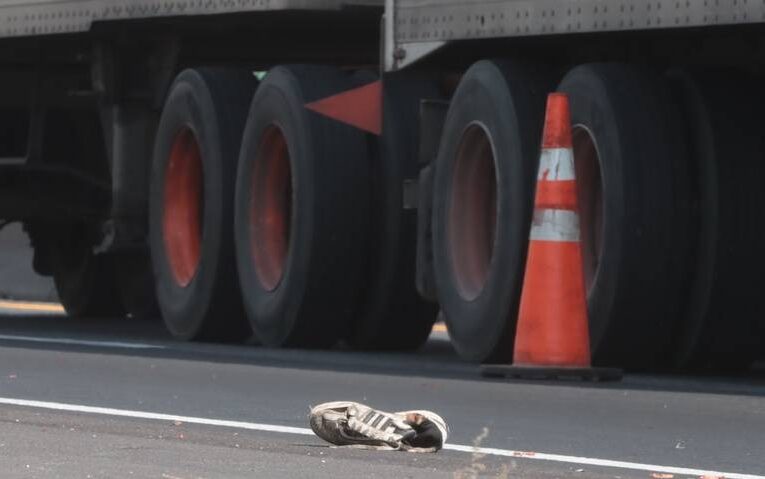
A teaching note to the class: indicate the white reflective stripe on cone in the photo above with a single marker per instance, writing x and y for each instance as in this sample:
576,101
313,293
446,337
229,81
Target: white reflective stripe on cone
554,225
556,164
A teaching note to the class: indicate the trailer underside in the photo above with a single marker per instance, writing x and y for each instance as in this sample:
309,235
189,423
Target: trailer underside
163,162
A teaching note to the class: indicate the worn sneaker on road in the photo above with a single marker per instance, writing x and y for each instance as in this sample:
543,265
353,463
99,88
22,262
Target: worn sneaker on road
347,423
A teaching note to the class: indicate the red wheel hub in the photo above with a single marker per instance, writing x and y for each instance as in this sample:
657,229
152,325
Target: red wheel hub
271,207
182,217
473,211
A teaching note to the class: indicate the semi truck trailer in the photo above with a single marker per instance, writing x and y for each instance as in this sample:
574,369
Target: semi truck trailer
308,172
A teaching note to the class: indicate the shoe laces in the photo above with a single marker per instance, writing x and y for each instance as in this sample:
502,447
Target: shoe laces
380,426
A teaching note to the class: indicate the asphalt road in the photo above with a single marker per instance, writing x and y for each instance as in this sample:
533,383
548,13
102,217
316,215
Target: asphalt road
175,410
535,429
17,280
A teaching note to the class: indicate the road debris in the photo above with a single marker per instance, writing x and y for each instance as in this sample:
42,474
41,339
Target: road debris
352,424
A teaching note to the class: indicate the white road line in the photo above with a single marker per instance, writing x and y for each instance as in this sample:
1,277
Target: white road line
591,461
107,411
539,456
80,342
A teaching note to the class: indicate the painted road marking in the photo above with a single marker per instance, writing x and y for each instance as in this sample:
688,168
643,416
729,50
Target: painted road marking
439,328
29,306
539,456
106,411
80,342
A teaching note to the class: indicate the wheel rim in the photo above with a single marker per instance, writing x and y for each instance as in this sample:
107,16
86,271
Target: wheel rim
182,218
271,207
590,198
473,211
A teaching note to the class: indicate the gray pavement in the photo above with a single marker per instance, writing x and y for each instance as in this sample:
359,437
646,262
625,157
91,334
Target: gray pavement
86,446
17,279
703,423
693,422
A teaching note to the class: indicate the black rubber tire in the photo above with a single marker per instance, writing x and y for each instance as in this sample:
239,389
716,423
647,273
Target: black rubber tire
639,286
508,101
720,329
393,316
212,105
305,288
84,282
135,282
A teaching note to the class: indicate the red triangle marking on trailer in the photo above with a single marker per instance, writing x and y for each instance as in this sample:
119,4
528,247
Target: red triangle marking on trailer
360,107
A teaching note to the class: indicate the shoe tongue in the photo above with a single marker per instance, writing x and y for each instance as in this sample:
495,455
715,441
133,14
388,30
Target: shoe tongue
352,411
333,415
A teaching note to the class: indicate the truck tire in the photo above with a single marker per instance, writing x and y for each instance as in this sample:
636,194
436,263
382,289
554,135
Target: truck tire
84,282
135,281
482,202
393,316
301,211
191,204
722,118
634,197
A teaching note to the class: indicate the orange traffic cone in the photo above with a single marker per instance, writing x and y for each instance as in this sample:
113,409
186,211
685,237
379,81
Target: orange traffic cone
552,336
